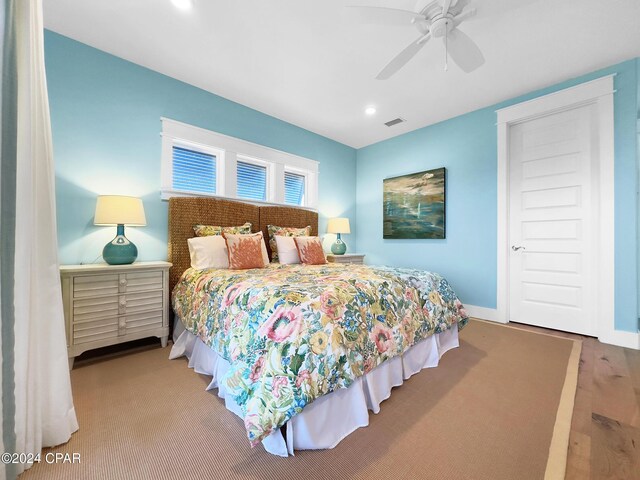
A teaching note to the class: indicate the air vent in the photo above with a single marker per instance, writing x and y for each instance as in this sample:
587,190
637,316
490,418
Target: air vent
395,121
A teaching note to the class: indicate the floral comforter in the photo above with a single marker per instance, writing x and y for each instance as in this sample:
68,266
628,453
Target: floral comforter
293,333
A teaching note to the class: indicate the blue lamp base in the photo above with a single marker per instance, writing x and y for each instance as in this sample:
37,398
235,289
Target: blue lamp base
120,250
339,247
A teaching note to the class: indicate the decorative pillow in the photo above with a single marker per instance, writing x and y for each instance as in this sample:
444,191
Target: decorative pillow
287,251
310,250
207,230
246,251
208,252
284,232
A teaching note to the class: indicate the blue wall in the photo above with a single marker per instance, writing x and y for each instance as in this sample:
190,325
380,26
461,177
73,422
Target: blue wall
106,129
467,147
105,115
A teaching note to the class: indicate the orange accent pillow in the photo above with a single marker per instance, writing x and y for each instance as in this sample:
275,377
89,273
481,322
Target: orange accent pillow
246,251
310,250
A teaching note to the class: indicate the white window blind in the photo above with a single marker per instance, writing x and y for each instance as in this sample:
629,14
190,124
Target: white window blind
194,171
293,188
251,181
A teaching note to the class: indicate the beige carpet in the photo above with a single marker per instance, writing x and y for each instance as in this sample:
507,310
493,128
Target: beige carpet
487,412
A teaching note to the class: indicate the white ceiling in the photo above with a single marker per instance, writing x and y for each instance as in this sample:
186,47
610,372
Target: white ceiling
306,62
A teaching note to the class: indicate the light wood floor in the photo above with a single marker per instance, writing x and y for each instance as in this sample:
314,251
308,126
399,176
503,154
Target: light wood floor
605,430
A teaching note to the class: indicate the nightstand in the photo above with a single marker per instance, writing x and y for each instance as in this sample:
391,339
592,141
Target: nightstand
109,304
346,258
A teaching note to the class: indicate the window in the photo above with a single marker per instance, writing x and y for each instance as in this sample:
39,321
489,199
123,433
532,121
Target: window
251,181
197,162
293,188
194,171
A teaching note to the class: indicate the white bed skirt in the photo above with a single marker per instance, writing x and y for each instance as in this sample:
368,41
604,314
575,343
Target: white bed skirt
318,426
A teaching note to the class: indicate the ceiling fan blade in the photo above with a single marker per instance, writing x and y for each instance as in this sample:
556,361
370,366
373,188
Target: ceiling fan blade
458,6
446,5
464,51
429,6
382,15
403,57
468,13
493,9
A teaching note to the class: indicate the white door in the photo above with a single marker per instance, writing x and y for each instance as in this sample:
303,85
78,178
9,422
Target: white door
552,221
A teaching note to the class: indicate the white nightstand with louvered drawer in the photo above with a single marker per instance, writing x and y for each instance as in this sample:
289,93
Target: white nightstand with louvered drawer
109,304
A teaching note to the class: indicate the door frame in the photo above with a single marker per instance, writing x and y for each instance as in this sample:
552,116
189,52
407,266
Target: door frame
597,92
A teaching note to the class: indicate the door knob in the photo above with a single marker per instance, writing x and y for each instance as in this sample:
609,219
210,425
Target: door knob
515,249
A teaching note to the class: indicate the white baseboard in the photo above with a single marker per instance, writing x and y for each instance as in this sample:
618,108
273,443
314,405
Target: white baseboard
483,313
621,339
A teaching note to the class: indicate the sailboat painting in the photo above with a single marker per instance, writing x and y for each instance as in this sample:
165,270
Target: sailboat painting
414,205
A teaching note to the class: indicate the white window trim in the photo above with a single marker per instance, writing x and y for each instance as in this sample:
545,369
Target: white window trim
228,150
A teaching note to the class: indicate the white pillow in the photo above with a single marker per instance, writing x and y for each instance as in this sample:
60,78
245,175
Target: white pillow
287,251
208,252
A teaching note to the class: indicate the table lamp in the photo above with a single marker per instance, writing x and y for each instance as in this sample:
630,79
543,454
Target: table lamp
119,210
339,226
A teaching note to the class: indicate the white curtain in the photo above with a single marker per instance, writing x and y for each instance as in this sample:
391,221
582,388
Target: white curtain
3,474
44,412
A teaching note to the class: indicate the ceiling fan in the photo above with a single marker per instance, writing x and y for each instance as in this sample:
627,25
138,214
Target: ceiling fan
433,19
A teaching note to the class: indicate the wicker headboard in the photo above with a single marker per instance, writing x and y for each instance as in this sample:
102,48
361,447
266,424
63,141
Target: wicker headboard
185,212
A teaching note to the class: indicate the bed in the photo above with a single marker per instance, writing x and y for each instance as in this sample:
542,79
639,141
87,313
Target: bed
302,352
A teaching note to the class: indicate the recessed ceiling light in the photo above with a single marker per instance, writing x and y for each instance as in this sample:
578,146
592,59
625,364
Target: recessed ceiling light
182,4
370,110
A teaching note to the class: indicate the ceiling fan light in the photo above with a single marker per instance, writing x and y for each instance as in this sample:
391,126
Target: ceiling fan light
183,4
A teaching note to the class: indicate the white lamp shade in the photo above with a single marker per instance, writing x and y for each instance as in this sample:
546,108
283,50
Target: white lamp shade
338,225
119,209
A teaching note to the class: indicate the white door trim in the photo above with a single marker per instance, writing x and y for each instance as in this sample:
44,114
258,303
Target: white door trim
597,92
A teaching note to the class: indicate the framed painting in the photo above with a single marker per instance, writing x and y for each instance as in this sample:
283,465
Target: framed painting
414,205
